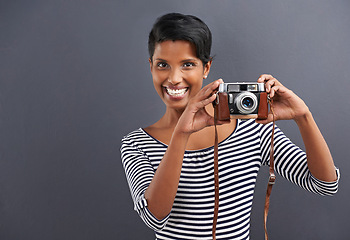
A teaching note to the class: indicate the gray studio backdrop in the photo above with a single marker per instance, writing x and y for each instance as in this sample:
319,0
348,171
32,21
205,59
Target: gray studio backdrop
74,79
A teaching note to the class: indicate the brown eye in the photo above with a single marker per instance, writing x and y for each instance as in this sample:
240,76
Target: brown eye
162,65
189,64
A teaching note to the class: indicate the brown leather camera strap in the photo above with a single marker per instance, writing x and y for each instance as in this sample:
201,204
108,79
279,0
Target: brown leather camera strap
272,176
216,173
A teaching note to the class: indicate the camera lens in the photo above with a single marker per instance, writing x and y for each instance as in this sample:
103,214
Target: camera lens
247,102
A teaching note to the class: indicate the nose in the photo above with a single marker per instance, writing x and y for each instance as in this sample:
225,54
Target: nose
175,77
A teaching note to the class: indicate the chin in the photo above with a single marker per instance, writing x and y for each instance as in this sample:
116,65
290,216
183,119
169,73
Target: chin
176,106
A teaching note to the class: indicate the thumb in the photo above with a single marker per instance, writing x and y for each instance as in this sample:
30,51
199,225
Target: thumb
267,120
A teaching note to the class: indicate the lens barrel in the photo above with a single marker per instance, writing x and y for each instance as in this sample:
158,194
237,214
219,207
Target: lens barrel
246,102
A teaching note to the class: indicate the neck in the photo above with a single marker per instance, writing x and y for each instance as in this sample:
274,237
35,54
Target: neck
171,117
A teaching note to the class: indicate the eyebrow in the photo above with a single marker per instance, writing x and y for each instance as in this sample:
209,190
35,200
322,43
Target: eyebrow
185,60
190,60
160,59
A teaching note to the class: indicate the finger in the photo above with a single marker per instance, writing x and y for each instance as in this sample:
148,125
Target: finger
199,103
215,85
208,100
265,77
271,83
210,89
276,90
206,95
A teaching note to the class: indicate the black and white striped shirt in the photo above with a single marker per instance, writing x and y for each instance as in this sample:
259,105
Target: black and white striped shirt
240,157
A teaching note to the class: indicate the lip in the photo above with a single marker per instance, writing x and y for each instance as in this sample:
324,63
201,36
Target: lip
174,87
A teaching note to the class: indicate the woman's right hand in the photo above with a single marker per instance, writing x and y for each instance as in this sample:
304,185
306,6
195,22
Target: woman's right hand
195,117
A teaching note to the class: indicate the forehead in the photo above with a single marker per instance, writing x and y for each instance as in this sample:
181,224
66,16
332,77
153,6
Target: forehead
174,49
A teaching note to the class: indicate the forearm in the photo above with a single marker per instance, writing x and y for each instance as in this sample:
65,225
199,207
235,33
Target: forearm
162,190
319,158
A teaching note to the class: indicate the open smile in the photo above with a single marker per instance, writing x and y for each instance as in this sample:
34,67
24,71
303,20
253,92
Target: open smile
178,92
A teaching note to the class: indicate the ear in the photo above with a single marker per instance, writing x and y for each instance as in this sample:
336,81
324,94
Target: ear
207,68
150,64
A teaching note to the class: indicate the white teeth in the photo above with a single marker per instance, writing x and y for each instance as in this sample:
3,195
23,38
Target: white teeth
176,92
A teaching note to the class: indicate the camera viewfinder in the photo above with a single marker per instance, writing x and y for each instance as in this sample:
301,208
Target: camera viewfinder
252,87
233,88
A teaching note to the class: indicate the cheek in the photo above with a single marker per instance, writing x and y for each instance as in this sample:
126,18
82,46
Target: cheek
158,83
159,77
196,80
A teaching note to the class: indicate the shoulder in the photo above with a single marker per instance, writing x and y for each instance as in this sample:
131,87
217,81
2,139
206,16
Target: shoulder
138,138
133,135
134,138
133,144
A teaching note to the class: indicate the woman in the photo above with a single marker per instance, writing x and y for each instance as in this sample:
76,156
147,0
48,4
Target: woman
169,165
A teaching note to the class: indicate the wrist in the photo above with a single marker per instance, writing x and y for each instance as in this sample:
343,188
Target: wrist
304,118
181,135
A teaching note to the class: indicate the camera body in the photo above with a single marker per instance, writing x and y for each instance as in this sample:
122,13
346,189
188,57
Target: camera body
243,100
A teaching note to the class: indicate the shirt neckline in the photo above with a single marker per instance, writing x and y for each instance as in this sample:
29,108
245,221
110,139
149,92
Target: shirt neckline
194,150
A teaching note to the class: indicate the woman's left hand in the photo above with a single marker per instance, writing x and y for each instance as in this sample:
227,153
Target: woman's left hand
286,104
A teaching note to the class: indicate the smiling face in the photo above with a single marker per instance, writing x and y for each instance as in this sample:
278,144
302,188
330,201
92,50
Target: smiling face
177,72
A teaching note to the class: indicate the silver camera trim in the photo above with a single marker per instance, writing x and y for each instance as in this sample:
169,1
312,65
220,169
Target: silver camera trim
224,86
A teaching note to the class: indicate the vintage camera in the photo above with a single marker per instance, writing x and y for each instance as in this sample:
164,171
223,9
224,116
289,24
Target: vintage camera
241,100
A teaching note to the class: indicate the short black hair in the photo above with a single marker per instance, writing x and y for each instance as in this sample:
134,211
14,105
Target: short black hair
177,26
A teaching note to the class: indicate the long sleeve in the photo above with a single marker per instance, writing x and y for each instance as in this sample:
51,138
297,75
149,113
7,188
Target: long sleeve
291,162
139,173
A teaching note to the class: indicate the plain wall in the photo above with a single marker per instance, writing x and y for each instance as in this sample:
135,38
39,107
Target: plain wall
74,79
